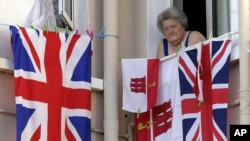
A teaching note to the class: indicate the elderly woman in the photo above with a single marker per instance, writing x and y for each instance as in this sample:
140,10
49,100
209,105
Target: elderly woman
173,23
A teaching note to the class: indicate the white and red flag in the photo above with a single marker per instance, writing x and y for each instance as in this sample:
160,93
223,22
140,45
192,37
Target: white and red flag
140,84
163,122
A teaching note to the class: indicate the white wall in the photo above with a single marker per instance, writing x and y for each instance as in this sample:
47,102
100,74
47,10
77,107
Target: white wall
81,15
13,12
154,36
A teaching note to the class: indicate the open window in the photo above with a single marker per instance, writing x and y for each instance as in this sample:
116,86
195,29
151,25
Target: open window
66,12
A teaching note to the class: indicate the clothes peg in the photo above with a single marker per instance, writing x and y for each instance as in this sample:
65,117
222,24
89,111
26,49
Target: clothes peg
77,31
55,28
35,29
138,113
67,30
46,28
32,27
90,33
211,35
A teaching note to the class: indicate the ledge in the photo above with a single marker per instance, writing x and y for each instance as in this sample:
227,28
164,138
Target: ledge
7,66
7,113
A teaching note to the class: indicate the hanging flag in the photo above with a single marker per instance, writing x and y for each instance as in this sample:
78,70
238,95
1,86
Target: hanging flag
140,84
162,122
206,121
52,85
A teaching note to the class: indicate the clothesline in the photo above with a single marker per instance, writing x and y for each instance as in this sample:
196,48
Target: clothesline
89,32
229,34
45,27
101,35
4,24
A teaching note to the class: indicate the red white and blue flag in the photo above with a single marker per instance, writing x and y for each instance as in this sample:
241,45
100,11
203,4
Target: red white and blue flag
205,121
52,85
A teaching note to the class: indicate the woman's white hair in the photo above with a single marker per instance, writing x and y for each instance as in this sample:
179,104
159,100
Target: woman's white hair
172,13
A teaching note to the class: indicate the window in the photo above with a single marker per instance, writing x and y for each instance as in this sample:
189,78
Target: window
66,12
221,17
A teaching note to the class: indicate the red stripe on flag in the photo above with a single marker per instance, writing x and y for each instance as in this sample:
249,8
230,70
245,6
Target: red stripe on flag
217,135
216,60
32,48
187,70
206,116
190,106
71,98
68,133
152,81
71,45
37,135
196,135
220,96
141,124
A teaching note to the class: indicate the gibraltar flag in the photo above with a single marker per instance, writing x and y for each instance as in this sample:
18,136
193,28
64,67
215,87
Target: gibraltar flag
140,84
164,121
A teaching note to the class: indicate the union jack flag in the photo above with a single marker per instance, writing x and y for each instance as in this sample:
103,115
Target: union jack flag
52,85
205,122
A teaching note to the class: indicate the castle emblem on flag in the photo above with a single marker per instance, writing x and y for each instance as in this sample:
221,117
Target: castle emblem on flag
138,85
162,118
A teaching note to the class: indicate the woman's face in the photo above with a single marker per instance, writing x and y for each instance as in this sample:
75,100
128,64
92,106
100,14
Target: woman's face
173,31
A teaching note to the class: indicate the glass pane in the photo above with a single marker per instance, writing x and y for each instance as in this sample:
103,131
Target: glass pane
68,8
221,18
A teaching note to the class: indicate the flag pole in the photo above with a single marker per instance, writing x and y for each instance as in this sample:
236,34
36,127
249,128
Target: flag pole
244,61
110,22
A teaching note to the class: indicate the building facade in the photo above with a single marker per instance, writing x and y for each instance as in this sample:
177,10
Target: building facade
122,29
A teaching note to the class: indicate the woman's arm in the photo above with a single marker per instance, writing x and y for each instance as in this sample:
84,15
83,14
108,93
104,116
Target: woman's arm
160,50
195,37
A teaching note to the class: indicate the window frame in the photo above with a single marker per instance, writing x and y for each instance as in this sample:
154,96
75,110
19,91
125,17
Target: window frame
67,18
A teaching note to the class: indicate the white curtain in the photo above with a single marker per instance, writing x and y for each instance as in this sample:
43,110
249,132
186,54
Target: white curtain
43,14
